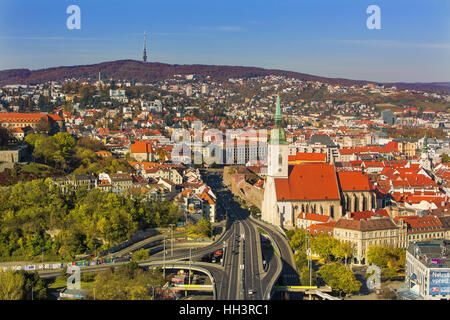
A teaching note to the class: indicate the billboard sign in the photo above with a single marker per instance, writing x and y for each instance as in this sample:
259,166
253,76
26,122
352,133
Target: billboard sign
435,261
439,282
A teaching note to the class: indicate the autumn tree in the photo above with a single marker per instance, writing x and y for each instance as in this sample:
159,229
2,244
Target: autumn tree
391,261
308,277
339,278
11,285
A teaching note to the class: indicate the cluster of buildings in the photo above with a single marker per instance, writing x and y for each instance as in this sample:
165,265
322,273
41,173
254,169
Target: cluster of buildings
364,202
328,159
153,181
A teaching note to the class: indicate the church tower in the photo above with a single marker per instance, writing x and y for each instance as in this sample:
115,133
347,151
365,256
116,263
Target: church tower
277,168
278,148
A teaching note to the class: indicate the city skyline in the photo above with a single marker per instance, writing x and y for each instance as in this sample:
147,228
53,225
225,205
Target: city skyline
324,38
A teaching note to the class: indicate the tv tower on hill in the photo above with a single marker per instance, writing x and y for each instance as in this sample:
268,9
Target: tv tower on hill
145,47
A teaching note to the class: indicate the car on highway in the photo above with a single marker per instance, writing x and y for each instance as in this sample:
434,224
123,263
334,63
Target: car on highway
250,292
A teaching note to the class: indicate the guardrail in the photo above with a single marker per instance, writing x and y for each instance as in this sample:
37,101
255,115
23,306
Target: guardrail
58,266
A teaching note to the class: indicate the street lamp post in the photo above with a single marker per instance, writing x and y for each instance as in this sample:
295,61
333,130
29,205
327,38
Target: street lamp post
190,257
171,241
164,253
223,255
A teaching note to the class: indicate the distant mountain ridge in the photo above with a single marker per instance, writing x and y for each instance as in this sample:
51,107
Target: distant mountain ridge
133,70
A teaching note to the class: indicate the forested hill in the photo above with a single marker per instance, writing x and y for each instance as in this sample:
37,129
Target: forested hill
132,70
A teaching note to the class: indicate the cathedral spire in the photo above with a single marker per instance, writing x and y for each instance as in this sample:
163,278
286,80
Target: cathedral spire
278,113
277,135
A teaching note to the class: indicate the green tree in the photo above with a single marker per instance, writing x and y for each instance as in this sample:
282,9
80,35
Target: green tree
11,285
379,256
391,261
306,275
127,282
66,143
301,260
140,255
339,278
297,239
342,250
323,245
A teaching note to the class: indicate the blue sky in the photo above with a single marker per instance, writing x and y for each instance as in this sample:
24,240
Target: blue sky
320,37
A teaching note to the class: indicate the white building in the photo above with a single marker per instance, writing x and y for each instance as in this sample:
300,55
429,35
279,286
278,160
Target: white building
428,271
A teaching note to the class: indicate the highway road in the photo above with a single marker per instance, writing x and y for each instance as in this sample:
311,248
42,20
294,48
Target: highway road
256,284
242,249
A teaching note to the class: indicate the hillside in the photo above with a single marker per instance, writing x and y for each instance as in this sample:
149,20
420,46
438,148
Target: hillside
132,70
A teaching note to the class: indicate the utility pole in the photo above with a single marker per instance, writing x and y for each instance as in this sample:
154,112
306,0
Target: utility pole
308,256
190,257
223,254
164,263
171,241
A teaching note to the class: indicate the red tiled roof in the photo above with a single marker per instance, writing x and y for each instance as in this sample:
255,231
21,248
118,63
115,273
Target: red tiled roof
354,181
366,224
141,147
14,117
303,156
309,181
423,224
326,228
205,196
56,117
313,217
368,214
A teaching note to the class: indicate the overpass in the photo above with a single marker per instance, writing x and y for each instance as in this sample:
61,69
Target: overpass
242,268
